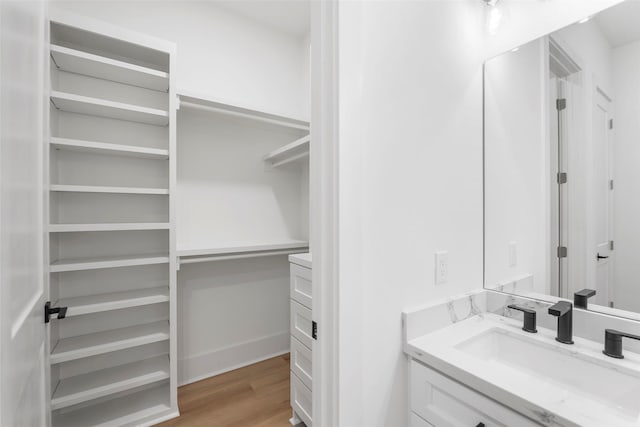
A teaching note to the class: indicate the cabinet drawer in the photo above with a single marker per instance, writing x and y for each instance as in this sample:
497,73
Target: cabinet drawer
301,289
301,400
447,403
416,421
301,323
301,362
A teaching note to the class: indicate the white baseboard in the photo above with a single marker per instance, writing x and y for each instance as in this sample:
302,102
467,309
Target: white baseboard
205,365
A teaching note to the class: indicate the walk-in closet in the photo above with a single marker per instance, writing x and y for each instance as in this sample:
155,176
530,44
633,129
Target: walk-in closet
175,168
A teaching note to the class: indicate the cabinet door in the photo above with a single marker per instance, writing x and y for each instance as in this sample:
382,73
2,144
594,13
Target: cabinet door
301,362
301,400
301,323
301,289
447,403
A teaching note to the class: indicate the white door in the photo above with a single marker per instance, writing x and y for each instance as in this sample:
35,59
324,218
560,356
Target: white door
602,200
23,349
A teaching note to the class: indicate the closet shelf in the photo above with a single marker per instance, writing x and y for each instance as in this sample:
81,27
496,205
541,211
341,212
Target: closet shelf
217,106
291,152
106,148
101,189
85,387
79,62
67,228
78,306
104,108
227,252
104,342
125,410
106,262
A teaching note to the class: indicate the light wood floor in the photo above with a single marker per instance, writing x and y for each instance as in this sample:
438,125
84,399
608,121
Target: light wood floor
256,396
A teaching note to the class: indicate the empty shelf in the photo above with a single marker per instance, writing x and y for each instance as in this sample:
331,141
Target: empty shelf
296,150
76,61
66,228
85,387
125,410
111,109
78,306
101,189
104,342
216,106
106,262
106,148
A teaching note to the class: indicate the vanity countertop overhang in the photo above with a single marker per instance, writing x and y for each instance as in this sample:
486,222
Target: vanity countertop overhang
524,371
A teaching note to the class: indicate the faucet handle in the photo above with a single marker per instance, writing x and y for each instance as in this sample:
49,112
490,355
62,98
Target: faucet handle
613,342
580,298
529,318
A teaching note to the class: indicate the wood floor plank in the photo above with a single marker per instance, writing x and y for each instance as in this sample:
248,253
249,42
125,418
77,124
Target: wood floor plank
256,395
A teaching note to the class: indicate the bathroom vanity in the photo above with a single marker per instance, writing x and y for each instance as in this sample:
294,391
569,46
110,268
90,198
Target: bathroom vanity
466,355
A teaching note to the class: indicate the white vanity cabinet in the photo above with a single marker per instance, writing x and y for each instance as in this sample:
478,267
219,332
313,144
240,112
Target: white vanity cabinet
301,338
442,402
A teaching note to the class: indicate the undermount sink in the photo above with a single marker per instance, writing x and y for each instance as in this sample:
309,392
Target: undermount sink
579,375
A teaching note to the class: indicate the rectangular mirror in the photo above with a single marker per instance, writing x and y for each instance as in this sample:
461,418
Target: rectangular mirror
562,164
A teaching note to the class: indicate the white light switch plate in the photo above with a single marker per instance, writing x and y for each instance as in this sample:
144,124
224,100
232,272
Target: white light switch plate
442,267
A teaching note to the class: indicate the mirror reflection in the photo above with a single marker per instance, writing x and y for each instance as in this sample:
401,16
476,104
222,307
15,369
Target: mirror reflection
562,164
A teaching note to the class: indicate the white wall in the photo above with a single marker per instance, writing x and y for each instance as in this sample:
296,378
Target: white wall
626,60
230,313
220,54
411,158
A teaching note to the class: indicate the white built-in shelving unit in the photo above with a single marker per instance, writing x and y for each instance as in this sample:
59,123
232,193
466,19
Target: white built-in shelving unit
112,250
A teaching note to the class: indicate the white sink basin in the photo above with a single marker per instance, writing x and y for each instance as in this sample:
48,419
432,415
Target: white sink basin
595,379
552,383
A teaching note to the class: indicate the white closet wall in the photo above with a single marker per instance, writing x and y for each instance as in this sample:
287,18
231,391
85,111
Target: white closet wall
230,312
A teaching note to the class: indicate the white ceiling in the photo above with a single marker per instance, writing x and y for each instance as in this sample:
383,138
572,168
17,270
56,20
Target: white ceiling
621,23
289,16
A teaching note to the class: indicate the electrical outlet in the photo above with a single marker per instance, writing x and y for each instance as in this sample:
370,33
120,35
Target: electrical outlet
513,254
442,267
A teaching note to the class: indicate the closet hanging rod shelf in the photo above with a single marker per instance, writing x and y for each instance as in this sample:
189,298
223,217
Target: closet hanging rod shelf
291,152
88,64
212,105
241,252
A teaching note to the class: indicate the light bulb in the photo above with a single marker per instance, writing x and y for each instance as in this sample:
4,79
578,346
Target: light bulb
494,19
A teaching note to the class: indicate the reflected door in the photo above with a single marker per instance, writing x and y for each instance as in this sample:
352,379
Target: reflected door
602,257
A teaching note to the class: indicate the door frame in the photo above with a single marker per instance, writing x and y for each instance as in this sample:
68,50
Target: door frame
323,180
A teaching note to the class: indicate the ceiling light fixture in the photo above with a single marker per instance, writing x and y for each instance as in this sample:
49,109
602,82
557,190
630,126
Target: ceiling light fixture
582,21
493,16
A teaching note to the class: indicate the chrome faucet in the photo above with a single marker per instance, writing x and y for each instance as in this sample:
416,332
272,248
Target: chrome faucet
563,310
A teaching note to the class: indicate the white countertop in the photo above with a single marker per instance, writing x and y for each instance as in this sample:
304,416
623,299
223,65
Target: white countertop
534,396
301,259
